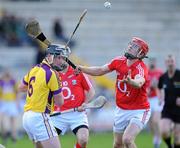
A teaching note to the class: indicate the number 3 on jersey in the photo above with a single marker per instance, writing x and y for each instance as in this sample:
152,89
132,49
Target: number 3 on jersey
30,87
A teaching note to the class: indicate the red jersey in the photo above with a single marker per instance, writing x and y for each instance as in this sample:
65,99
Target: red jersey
127,96
73,89
154,76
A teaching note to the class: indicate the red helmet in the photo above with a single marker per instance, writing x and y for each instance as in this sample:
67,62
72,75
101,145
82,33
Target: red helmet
143,45
137,49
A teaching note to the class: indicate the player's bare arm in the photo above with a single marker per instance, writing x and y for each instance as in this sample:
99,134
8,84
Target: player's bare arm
95,70
138,82
58,99
89,95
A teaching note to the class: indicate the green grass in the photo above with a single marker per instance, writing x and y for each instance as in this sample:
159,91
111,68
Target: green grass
96,140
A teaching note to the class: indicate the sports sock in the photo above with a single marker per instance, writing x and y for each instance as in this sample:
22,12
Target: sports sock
78,145
176,146
168,142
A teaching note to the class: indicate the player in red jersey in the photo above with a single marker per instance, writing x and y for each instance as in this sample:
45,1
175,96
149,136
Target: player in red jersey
133,110
154,122
77,90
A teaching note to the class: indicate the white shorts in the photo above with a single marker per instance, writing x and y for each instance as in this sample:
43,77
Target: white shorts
9,108
69,120
154,104
124,117
38,126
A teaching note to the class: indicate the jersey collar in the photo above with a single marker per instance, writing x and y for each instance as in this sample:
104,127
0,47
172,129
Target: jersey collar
45,62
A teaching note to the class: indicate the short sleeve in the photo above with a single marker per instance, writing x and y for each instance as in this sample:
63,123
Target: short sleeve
86,84
112,64
26,79
55,83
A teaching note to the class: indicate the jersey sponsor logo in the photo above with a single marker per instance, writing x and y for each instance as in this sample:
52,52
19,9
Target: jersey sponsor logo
67,94
65,83
122,87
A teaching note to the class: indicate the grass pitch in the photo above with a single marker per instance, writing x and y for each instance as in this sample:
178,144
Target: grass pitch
96,140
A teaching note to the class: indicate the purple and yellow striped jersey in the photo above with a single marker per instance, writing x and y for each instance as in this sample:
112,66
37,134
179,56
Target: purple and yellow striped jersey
42,84
8,90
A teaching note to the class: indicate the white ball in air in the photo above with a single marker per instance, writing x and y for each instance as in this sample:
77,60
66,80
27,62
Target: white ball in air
107,5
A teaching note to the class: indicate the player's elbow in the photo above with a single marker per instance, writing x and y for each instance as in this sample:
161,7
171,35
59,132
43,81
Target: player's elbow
99,72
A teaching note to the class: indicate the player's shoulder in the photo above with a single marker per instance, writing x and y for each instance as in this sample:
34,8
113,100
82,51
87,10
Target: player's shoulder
120,58
141,64
164,75
34,68
45,67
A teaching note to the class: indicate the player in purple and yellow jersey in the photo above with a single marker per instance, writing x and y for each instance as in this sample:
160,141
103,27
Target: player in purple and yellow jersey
9,108
43,88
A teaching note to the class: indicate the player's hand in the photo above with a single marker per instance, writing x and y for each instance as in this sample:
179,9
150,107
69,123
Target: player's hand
127,79
178,101
81,108
77,70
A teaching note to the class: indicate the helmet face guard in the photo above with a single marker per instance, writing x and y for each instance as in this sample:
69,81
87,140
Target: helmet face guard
56,51
137,49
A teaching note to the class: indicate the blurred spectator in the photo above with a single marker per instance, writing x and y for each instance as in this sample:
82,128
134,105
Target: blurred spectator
8,89
59,34
169,85
154,74
12,30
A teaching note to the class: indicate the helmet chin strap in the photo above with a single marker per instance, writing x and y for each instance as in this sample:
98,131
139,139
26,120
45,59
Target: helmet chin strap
130,56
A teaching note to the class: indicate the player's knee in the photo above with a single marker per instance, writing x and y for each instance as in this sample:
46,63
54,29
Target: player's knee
165,133
127,140
118,142
83,141
155,122
117,145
